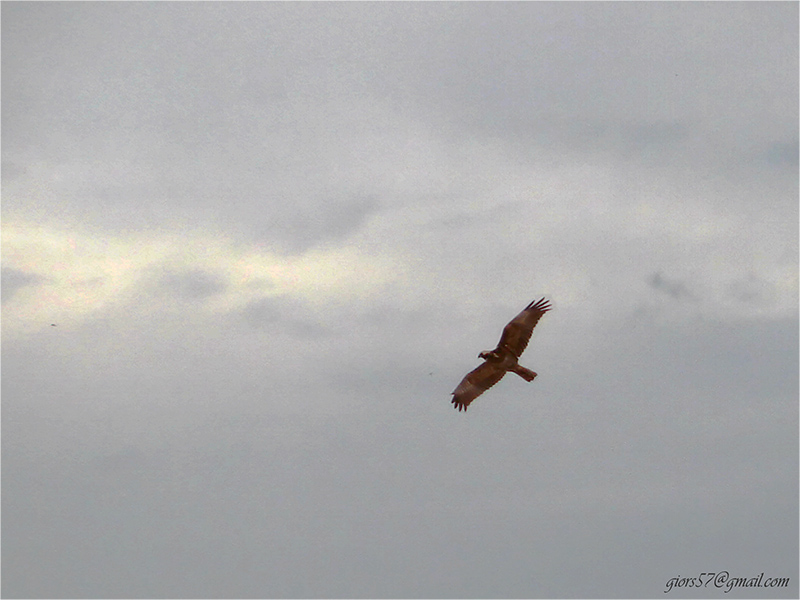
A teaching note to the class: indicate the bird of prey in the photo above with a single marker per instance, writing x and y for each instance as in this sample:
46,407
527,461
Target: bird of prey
502,359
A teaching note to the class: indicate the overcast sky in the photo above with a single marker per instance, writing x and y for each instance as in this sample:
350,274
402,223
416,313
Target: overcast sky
248,250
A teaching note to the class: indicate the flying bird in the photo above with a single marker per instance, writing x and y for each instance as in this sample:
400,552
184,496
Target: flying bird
502,359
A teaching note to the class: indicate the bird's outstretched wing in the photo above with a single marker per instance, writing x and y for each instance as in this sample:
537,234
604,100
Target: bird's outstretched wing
475,383
517,333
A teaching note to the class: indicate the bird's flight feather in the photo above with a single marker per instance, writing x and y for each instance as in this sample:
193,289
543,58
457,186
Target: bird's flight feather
475,383
518,332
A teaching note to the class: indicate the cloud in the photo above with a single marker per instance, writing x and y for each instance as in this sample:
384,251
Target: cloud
275,236
751,290
282,315
14,279
674,288
328,220
191,284
89,275
783,154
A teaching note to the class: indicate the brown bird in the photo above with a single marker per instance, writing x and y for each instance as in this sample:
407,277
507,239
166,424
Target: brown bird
502,359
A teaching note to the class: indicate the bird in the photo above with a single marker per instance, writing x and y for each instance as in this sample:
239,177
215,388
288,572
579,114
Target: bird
501,360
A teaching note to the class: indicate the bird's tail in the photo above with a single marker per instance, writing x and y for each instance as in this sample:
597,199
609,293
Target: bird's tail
526,374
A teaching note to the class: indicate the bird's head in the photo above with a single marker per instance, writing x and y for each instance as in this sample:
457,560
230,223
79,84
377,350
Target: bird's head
486,355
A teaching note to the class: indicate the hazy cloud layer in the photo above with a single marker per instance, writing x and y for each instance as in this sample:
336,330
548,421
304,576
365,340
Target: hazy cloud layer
274,236
14,279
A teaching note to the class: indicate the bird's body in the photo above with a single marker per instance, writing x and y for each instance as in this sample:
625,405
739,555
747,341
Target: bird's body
502,359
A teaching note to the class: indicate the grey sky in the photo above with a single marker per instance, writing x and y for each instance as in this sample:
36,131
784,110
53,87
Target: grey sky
274,237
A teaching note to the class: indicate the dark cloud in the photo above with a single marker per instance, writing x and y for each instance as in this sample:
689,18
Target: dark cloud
305,224
14,279
190,284
783,153
751,290
282,315
671,287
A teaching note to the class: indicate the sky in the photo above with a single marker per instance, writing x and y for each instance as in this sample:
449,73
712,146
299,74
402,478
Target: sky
249,250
